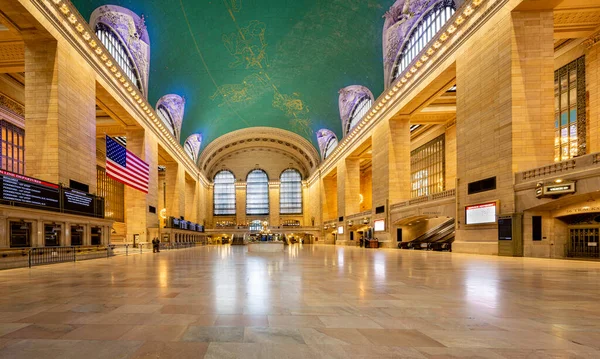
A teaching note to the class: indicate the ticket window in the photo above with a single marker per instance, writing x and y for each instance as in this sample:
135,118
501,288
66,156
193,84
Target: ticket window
52,234
96,236
76,235
20,234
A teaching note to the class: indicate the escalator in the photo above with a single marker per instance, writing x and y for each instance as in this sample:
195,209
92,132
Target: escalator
238,240
439,238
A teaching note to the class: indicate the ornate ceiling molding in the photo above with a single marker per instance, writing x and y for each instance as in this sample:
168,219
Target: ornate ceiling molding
268,137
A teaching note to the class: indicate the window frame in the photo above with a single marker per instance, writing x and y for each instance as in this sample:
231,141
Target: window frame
121,53
424,31
360,109
283,193
227,209
253,205
428,168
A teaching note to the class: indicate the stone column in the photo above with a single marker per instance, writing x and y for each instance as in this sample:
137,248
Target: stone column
60,114
505,116
240,203
191,200
175,179
137,216
274,218
592,83
330,203
391,168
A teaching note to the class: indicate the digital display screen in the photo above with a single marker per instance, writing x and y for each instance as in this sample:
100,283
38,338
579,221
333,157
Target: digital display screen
28,192
78,202
481,213
340,230
379,225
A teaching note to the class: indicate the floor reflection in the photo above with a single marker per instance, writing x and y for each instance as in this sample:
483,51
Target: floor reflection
308,301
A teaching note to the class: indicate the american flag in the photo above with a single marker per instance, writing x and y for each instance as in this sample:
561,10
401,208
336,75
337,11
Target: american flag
125,167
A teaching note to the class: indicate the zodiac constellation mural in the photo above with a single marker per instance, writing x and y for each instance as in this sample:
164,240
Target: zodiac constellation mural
249,48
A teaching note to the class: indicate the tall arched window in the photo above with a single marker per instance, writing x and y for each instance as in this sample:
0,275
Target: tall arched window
290,192
224,194
257,193
117,49
166,118
359,111
428,27
331,145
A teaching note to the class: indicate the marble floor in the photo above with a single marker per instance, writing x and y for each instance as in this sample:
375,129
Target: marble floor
308,302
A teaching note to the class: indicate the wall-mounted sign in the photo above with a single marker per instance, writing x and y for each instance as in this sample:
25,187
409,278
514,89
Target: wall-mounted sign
28,192
555,189
379,225
481,213
340,230
78,202
23,191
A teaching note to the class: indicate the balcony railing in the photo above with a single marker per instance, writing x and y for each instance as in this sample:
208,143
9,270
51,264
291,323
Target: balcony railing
424,199
360,215
559,168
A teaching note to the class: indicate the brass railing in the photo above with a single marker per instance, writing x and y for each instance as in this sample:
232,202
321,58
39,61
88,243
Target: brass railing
424,199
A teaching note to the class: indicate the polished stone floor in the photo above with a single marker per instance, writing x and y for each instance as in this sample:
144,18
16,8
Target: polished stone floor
310,302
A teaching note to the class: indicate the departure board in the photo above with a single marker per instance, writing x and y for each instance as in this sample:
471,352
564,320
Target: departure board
28,192
78,202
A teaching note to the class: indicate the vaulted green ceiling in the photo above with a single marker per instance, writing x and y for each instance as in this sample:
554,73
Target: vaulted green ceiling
245,63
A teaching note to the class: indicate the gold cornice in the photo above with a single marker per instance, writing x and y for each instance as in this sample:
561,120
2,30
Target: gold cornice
414,74
69,22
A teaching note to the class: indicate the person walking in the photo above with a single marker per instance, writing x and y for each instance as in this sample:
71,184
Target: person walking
155,245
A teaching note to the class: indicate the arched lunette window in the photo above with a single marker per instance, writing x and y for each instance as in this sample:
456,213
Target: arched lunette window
431,23
166,118
224,194
257,193
189,149
290,192
117,49
331,145
359,111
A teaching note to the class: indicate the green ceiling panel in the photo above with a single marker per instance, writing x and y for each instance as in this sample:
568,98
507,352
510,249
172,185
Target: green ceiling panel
245,63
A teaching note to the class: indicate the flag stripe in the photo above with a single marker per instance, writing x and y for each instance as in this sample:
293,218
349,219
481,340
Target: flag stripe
122,178
118,179
125,167
123,173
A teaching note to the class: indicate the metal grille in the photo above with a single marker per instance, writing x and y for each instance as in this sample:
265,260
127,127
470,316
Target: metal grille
569,111
224,194
13,147
290,192
114,195
427,166
257,193
583,242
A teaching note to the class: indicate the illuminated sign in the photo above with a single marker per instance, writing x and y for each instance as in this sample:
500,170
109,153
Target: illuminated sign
481,213
341,230
555,189
379,225
28,192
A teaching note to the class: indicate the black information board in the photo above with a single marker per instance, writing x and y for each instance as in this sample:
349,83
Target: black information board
28,192
78,202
